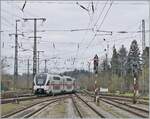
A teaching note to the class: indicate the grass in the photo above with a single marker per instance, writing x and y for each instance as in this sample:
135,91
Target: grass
9,107
127,94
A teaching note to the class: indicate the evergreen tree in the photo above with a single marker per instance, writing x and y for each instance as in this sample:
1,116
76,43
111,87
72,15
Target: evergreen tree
105,65
122,56
115,62
145,57
133,58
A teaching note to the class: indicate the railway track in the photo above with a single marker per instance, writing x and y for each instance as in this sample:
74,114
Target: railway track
11,100
88,105
113,95
76,107
124,106
129,97
24,98
123,98
138,111
33,108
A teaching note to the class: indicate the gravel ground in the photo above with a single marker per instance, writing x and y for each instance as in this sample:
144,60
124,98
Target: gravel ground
65,109
85,110
71,113
60,109
138,105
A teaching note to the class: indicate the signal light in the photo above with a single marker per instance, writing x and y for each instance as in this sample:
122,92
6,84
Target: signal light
96,59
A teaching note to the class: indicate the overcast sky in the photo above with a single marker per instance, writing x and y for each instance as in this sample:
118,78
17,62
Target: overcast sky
59,44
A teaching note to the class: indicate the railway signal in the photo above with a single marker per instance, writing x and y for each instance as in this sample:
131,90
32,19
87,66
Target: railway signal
96,59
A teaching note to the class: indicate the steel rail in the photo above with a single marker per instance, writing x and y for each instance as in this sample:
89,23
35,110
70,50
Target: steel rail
98,113
76,107
10,100
123,108
137,108
124,99
36,111
25,108
117,98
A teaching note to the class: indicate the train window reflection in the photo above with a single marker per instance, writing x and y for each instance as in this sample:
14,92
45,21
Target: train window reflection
56,78
68,79
40,79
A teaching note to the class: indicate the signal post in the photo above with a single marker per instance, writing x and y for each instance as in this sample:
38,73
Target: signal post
96,89
135,83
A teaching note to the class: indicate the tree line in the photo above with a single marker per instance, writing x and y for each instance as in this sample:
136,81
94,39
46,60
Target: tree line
117,74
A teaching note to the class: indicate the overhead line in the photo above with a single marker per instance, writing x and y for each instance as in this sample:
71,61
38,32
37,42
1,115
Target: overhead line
105,15
101,13
99,26
95,23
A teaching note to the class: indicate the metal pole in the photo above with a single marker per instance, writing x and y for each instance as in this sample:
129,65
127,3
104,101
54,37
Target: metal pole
89,69
38,52
96,59
34,51
135,84
143,34
135,89
143,48
95,90
16,57
28,74
45,66
35,45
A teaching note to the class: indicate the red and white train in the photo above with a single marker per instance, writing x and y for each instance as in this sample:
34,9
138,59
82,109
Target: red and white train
45,83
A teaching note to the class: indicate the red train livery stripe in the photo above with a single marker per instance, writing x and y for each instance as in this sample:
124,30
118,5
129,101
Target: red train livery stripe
61,84
57,86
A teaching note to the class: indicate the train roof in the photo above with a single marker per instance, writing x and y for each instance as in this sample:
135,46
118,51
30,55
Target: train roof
69,77
48,74
53,74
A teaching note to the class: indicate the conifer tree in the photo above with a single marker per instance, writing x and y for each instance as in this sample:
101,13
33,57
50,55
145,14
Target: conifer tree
133,58
115,61
122,59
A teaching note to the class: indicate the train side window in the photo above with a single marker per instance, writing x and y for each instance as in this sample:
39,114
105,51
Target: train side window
56,78
68,79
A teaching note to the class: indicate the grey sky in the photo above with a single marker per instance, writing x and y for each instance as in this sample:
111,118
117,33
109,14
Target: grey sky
123,16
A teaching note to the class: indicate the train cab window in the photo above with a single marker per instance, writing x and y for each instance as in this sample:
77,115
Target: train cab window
56,78
41,79
68,79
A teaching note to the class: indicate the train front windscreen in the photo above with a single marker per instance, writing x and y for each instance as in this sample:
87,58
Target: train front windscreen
41,79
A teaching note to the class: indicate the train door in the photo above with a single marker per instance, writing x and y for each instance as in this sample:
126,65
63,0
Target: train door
69,84
63,84
55,84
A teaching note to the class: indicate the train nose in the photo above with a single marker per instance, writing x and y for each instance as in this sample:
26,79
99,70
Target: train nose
40,90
